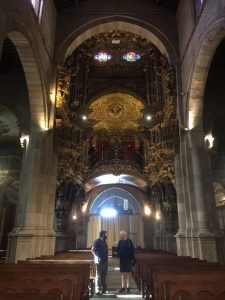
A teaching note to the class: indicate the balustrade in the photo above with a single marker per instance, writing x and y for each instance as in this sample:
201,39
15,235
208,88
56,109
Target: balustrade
109,154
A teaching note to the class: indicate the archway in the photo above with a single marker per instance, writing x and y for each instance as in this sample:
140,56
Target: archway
196,130
28,102
202,60
122,200
15,124
80,35
213,128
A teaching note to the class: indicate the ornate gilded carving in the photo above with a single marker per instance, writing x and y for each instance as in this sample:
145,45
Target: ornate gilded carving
164,200
109,93
69,196
116,113
115,167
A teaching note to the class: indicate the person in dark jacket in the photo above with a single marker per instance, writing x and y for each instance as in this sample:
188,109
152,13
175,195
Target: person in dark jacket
125,251
100,251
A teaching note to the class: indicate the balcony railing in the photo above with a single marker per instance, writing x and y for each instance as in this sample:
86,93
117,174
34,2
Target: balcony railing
110,154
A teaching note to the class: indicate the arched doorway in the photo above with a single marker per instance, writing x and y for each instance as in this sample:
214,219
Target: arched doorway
126,215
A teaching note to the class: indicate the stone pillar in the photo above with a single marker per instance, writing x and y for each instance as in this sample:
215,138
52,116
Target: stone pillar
33,234
196,236
181,240
202,235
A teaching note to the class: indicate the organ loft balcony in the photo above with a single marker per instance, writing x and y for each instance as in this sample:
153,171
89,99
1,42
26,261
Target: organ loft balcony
124,153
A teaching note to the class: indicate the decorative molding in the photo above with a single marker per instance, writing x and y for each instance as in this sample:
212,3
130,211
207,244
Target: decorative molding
115,167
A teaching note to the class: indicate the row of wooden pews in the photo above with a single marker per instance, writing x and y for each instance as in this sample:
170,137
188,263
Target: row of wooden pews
64,276
164,276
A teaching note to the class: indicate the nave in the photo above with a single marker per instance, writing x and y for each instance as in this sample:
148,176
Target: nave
114,284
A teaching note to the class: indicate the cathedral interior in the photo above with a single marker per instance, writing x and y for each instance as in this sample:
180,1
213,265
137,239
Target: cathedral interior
112,116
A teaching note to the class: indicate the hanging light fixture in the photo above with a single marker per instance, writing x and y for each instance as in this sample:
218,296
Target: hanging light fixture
83,112
149,118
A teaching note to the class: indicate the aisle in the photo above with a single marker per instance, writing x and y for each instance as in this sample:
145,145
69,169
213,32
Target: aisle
114,284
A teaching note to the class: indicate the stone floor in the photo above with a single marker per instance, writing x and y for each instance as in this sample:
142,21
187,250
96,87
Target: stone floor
114,284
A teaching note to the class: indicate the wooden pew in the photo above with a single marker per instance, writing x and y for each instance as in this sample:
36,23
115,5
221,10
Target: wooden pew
29,297
72,254
77,273
189,270
205,286
62,290
149,266
67,261
141,272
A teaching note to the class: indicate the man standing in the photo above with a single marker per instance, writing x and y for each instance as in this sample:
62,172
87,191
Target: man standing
100,251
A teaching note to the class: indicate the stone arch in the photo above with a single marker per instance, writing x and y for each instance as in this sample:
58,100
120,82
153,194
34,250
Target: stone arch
133,191
204,55
122,193
19,24
133,224
33,77
125,23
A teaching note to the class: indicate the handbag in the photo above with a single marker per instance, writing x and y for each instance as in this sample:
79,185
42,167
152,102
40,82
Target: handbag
133,262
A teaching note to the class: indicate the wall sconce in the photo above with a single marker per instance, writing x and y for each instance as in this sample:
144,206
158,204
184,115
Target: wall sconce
84,208
209,139
74,217
147,210
52,96
24,140
157,215
43,125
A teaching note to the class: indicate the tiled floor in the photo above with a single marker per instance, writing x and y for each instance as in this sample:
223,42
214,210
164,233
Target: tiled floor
114,284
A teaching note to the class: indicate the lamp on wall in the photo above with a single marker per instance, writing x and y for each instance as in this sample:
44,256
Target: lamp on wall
24,139
74,217
147,210
157,215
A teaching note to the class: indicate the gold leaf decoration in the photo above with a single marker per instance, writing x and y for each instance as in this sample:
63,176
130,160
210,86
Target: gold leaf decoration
116,113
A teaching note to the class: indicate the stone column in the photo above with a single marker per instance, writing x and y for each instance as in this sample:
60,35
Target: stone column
203,237
182,218
33,234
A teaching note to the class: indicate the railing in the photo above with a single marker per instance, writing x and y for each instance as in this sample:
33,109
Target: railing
109,154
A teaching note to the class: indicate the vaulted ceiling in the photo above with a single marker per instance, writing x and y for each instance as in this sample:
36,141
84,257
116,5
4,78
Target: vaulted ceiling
61,4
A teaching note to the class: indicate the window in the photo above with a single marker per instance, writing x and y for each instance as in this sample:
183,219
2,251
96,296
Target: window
102,56
38,6
131,56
